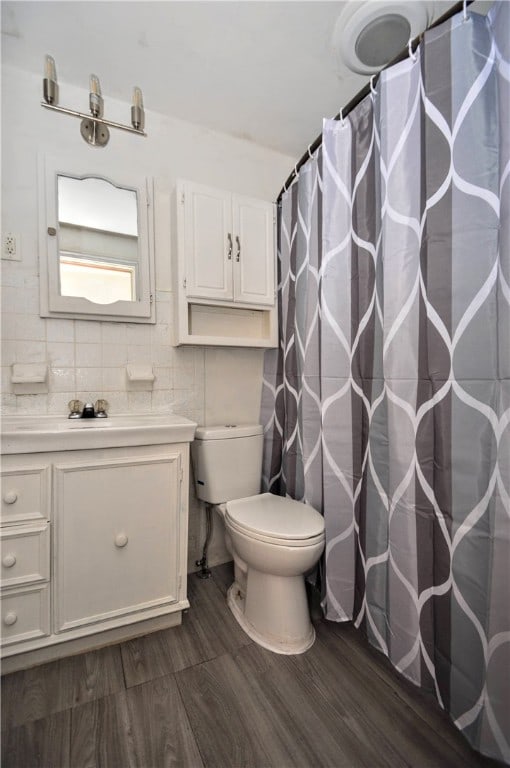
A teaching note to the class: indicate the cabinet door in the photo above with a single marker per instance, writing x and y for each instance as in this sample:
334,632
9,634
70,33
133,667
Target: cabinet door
254,251
208,240
117,538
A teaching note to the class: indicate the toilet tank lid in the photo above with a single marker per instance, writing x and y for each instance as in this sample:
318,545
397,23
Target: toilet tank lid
225,431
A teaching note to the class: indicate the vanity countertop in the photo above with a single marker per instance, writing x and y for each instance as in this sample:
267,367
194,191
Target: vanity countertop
35,434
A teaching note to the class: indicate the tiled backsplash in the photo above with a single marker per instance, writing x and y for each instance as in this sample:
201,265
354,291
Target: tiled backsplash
87,359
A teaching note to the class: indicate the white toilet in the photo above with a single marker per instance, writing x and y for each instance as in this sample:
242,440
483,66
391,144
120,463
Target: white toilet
274,540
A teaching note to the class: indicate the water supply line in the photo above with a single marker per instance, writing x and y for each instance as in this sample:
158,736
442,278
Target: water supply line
205,572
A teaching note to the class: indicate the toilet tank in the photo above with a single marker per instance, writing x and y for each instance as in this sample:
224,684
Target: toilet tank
227,462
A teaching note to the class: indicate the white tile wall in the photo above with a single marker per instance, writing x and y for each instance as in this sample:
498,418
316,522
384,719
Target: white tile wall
60,330
87,359
61,353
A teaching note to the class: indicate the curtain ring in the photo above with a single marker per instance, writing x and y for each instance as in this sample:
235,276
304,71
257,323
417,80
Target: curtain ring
412,55
464,10
296,172
309,153
372,89
342,123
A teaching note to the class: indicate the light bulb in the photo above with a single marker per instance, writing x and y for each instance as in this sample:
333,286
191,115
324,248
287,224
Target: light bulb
50,86
95,86
137,113
137,97
95,98
50,71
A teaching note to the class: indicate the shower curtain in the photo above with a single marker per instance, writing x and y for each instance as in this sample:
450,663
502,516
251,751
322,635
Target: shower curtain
387,404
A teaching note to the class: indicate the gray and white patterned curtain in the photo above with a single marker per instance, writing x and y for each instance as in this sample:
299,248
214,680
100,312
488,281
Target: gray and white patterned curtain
387,404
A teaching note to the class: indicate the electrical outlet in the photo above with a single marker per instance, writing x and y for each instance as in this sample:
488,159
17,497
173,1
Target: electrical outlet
11,246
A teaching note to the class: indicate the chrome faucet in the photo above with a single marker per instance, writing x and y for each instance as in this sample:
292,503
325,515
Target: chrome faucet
88,411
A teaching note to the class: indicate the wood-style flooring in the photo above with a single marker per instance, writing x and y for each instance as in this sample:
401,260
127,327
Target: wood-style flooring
203,694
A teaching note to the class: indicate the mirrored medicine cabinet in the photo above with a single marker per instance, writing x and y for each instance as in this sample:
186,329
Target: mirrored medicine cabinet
96,244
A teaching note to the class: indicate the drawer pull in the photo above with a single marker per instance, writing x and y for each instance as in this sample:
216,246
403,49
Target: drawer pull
10,619
10,497
121,540
9,560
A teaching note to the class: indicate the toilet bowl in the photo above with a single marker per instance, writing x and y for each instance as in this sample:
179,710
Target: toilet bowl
273,540
270,601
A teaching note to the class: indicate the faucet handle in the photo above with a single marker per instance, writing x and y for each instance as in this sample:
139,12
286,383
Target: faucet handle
75,409
101,408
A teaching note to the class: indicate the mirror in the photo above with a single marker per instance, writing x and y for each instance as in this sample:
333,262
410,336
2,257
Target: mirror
97,247
98,240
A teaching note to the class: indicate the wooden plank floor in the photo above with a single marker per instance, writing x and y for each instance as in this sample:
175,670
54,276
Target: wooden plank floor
203,694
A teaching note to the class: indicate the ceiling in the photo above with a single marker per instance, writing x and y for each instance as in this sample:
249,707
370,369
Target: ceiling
262,71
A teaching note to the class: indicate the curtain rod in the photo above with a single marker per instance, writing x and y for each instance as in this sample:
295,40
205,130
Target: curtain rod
366,90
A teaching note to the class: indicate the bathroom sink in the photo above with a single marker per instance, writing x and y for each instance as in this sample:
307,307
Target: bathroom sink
32,434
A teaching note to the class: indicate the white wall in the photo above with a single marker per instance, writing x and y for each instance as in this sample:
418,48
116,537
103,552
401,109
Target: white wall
87,358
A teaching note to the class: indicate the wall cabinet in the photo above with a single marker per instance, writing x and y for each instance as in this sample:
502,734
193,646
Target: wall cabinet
229,246
94,547
226,268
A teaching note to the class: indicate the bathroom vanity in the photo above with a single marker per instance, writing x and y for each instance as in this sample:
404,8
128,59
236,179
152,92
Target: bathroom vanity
94,527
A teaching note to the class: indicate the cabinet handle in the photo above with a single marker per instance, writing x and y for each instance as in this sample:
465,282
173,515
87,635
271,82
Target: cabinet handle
229,252
10,497
238,254
10,619
9,560
121,540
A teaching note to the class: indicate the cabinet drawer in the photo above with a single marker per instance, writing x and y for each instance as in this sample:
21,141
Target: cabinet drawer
25,614
25,554
25,494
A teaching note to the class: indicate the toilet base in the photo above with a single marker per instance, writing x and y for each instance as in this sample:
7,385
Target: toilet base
289,647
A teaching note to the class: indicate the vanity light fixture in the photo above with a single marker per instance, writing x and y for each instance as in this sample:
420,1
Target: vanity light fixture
94,127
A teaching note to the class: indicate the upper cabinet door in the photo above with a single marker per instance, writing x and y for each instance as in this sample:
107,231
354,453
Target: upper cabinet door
208,242
254,251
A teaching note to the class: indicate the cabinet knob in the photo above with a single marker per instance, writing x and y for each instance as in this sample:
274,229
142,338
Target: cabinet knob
9,560
10,619
10,497
121,540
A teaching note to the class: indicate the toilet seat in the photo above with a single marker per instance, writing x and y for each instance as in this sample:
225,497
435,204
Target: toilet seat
272,540
275,520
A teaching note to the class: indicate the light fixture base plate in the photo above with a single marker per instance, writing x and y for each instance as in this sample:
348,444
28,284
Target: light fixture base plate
95,134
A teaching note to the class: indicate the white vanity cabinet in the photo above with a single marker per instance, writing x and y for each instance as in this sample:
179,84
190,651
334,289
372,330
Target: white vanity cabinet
93,542
226,268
